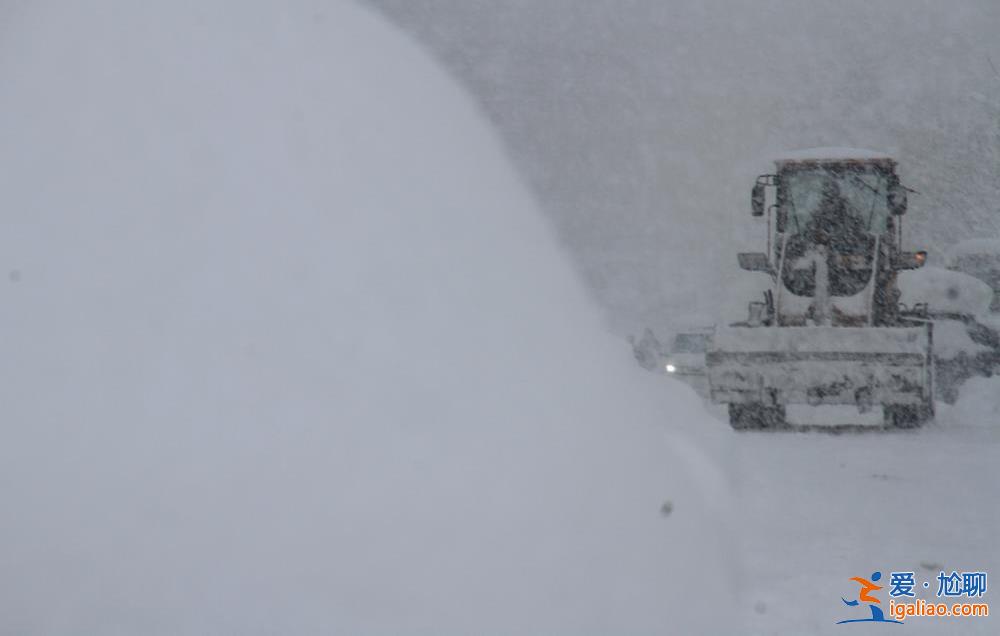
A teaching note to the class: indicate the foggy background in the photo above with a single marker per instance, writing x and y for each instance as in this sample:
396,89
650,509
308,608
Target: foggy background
641,124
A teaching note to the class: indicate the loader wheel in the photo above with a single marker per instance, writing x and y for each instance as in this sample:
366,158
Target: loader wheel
906,415
756,416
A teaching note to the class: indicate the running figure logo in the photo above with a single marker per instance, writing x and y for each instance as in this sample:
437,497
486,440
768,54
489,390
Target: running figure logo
865,596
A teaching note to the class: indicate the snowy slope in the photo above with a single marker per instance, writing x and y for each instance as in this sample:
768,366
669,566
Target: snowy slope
287,349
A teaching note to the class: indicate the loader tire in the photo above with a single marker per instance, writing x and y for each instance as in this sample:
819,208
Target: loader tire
756,416
906,415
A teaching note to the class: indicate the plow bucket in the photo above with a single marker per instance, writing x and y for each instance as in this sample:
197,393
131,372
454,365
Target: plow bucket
766,367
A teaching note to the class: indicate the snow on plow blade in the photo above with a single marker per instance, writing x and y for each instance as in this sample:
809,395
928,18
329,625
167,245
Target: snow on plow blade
864,366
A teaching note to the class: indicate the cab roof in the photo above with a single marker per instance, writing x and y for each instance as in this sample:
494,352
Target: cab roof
833,155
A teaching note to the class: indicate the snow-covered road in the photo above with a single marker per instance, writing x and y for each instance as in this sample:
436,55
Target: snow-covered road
816,509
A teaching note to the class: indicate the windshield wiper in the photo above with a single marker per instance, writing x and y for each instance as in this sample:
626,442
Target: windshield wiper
875,192
865,184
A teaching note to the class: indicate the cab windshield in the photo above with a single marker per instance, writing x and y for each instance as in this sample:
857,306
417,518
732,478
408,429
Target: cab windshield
863,190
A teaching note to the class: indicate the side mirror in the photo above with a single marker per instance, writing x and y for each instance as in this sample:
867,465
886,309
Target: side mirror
911,260
754,262
757,200
897,198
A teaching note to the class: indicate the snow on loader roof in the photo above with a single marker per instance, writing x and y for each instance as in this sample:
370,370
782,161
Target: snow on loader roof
832,154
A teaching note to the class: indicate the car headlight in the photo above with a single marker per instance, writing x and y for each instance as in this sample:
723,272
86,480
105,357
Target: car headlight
670,368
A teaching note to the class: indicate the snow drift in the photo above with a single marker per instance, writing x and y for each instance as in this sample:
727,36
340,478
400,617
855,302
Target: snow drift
945,291
287,349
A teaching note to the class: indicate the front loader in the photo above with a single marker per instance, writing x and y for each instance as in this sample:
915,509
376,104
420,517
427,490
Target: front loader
830,330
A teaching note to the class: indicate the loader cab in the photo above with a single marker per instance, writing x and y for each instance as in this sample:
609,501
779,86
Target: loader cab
834,231
808,192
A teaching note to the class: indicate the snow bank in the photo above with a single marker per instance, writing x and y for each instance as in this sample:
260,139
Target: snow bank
978,408
945,291
287,349
951,339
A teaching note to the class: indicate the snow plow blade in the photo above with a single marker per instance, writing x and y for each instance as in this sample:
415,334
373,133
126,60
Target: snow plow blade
766,368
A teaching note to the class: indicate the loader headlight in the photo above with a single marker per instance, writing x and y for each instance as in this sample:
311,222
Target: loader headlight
671,368
911,260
